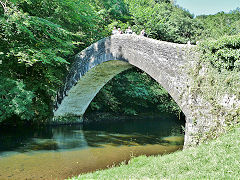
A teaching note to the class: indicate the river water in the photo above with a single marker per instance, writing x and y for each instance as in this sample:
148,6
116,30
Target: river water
58,152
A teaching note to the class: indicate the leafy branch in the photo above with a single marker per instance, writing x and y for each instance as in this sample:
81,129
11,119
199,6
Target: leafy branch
4,6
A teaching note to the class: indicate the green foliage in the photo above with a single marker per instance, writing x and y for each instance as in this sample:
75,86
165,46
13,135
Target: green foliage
111,9
182,27
15,100
133,92
33,52
220,24
29,39
111,13
76,16
223,53
163,20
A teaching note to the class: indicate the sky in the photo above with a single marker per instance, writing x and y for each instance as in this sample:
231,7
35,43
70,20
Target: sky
200,7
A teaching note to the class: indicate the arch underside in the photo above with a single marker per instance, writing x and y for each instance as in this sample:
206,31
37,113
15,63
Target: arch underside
80,96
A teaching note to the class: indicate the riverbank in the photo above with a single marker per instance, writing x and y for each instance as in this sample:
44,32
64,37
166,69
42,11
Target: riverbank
218,159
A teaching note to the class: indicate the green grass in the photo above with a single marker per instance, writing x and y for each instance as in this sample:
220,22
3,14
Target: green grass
219,159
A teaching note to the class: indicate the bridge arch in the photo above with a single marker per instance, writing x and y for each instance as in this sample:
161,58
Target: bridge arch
100,62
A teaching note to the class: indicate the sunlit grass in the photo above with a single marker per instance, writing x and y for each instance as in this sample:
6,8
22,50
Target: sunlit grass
219,159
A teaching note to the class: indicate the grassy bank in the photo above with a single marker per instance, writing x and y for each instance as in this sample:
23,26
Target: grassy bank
219,159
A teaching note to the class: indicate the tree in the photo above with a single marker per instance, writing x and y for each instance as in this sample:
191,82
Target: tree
220,24
163,20
32,52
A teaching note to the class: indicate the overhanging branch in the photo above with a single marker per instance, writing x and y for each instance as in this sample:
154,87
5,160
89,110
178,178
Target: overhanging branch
4,5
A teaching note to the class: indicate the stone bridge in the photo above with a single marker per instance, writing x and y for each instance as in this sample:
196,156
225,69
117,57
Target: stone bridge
164,61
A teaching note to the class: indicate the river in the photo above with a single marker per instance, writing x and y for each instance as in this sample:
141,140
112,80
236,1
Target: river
58,152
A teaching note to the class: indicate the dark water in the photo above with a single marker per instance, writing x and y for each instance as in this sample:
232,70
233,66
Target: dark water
52,152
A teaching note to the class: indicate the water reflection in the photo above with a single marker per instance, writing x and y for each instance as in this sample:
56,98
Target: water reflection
126,132
63,151
129,132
